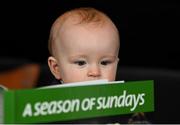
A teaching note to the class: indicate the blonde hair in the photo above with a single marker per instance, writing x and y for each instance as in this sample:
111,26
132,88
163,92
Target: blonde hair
85,15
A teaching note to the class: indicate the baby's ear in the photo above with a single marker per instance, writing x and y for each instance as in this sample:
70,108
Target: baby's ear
53,65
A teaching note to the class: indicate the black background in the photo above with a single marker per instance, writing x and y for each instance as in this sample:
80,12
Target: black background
149,29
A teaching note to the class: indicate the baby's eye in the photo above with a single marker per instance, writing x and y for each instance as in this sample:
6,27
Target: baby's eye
80,63
106,62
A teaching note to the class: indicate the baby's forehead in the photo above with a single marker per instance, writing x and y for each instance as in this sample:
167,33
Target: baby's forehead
89,19
85,34
74,23
77,23
73,26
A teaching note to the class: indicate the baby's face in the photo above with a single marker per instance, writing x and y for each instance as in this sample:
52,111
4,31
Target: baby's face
87,53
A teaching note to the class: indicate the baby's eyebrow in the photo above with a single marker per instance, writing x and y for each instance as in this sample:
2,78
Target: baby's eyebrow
109,56
78,56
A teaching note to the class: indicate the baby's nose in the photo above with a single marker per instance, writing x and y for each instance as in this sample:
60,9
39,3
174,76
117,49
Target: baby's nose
94,71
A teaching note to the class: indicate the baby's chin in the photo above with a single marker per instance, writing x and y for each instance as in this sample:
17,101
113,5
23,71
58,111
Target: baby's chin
74,81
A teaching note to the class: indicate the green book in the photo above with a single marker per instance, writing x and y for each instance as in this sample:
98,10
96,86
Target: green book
77,101
2,89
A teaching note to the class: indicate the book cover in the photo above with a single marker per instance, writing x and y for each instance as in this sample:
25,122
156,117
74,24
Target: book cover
77,101
2,89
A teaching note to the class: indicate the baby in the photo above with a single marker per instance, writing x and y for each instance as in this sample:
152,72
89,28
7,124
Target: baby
84,45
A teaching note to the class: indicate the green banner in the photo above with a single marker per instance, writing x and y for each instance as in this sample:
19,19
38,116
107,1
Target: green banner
71,103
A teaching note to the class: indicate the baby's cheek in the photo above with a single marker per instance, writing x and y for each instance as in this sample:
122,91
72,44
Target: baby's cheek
76,76
111,74
111,78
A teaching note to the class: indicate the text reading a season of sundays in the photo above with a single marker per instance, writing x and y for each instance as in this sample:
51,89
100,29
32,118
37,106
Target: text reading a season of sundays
124,100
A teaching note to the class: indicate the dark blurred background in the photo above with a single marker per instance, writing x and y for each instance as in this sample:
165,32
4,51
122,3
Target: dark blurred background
149,29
